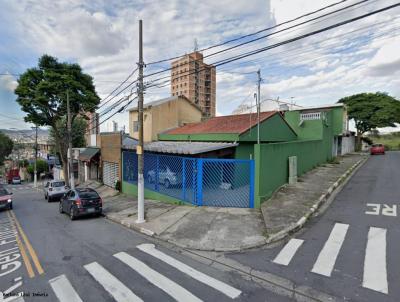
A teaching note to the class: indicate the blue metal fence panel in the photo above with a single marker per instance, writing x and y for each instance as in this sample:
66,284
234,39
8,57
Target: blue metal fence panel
199,181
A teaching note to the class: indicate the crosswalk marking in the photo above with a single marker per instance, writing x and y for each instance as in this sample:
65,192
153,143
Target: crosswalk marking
64,290
195,274
327,257
167,285
286,254
375,276
111,284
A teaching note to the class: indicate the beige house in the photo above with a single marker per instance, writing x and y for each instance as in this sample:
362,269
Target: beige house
162,115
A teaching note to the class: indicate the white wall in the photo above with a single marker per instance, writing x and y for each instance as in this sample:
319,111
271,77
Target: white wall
348,144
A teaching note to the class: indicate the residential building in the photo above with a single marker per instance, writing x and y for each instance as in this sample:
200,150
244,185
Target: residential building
196,80
92,128
162,115
305,121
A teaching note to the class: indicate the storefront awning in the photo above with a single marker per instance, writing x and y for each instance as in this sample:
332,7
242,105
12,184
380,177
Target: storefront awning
88,154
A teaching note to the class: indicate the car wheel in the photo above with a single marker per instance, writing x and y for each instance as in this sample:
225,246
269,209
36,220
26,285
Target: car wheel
72,213
60,209
167,183
10,206
49,199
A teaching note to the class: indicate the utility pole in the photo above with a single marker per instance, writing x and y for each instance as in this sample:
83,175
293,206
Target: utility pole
35,165
258,104
70,162
139,148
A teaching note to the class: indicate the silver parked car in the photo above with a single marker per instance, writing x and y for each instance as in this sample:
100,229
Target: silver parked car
165,176
54,189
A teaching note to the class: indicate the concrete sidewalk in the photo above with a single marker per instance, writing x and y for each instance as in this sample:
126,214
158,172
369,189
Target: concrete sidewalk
229,229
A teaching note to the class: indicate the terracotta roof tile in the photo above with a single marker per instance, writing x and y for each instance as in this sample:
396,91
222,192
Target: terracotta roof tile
224,124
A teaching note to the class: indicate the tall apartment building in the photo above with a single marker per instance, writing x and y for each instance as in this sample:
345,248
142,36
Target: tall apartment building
195,80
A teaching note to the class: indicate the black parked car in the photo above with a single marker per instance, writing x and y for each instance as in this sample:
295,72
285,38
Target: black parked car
80,202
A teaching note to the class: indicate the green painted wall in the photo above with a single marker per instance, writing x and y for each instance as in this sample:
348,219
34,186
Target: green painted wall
272,164
245,151
338,120
307,130
273,129
219,137
132,190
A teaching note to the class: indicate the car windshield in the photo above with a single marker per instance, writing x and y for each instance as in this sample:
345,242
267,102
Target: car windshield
3,192
16,178
58,184
377,145
88,194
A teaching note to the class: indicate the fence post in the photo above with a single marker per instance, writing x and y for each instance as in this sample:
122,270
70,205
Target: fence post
157,171
251,184
200,182
184,179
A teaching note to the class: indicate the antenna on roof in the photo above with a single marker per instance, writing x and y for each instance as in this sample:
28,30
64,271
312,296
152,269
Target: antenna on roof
196,45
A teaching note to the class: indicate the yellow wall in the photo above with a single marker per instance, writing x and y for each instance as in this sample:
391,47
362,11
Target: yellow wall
165,116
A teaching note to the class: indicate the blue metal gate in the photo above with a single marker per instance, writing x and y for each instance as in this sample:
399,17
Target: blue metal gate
199,181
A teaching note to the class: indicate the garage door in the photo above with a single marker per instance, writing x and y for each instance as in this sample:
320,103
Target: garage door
110,173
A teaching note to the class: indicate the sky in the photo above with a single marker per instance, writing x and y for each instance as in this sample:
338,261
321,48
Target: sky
102,36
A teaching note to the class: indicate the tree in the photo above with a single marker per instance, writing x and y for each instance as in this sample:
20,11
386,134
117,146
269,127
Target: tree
42,94
6,147
77,131
41,166
371,111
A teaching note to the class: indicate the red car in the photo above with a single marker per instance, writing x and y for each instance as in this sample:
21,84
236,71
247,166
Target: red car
5,199
377,149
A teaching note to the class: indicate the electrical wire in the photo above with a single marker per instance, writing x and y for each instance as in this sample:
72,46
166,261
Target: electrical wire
254,33
291,40
265,36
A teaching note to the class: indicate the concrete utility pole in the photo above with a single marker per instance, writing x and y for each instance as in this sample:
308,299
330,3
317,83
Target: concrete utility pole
35,164
139,148
70,162
258,104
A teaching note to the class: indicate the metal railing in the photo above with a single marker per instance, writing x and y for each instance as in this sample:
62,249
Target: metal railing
199,181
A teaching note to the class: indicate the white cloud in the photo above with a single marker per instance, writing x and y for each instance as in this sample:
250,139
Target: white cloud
102,36
386,60
8,82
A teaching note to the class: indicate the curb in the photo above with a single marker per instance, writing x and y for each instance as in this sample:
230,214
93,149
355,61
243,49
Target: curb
132,226
292,228
333,189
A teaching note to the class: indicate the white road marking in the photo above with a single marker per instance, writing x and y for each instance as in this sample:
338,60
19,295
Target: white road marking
286,254
375,276
64,290
111,284
171,288
327,257
228,290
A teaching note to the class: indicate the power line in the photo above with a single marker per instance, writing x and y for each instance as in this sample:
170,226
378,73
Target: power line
122,83
265,36
238,57
255,33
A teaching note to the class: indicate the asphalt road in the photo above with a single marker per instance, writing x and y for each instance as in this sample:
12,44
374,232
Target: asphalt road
42,252
352,250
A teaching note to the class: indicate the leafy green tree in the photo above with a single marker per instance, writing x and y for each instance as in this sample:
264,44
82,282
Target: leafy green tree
41,166
77,132
42,93
23,163
6,147
371,111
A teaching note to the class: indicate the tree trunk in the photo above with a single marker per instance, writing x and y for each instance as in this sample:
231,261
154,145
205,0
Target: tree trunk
62,145
358,141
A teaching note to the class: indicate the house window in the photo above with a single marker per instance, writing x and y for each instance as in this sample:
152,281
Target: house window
135,126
